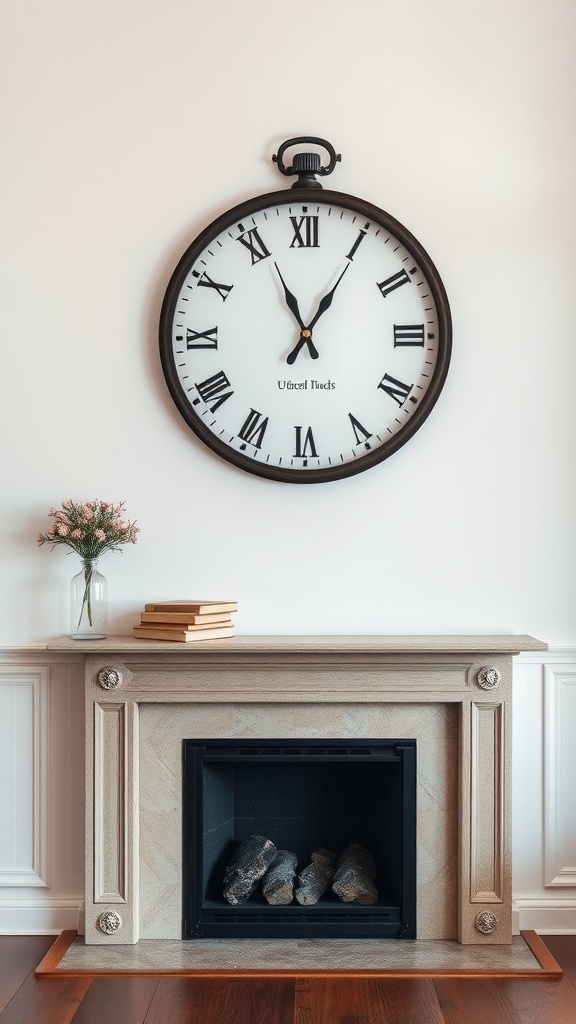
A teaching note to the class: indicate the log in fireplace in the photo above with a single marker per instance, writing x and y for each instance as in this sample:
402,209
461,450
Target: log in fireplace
300,794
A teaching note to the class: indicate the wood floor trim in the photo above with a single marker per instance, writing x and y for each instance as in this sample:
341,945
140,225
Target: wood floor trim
49,968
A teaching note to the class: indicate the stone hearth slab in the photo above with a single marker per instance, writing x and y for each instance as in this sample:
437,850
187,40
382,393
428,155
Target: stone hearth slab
527,955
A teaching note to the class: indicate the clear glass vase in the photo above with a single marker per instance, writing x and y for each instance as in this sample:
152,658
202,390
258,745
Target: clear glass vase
89,603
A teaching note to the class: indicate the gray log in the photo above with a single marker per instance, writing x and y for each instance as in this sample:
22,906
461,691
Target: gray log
354,876
248,865
278,882
315,879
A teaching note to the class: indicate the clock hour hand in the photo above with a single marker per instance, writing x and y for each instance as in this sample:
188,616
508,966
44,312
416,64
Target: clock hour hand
306,332
326,302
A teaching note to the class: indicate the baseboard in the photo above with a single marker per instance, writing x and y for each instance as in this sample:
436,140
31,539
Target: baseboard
547,916
48,916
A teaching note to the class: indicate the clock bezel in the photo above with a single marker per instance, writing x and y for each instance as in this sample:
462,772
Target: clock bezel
372,213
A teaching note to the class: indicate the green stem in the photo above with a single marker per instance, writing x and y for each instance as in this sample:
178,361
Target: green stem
87,599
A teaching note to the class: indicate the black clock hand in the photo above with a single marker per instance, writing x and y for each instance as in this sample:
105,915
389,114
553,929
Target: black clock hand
326,301
304,339
305,333
291,301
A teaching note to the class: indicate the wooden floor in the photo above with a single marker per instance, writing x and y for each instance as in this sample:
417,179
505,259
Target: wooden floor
25,999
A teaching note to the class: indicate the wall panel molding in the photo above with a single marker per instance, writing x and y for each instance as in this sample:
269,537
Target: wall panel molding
559,775
24,769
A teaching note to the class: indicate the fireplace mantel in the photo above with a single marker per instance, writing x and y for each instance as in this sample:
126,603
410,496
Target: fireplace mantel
287,685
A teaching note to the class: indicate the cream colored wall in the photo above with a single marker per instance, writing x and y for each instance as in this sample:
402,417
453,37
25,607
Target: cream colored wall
129,126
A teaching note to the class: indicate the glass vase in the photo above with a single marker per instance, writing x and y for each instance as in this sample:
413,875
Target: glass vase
89,603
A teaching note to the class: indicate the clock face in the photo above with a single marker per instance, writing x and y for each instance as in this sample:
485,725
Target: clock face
305,335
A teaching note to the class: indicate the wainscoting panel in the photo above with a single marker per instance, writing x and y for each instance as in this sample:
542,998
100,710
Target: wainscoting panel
41,791
42,799
24,812
560,776
544,791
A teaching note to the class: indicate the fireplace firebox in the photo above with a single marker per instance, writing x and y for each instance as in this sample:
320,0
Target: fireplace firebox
301,795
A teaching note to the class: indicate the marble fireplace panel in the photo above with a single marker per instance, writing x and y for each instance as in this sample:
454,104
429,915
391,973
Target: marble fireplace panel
162,729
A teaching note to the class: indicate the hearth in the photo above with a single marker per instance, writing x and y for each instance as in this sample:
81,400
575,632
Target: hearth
300,794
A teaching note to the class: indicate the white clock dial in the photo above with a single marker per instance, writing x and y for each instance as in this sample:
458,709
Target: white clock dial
305,335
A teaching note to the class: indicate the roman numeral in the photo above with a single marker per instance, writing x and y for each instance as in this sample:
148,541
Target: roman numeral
214,388
253,428
408,334
396,281
206,282
360,432
305,447
202,339
305,232
395,388
361,236
253,242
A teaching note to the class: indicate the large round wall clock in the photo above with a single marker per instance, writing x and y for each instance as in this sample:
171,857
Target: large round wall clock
305,334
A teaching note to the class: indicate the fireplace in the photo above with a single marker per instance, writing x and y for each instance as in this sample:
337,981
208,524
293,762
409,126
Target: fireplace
452,694
300,794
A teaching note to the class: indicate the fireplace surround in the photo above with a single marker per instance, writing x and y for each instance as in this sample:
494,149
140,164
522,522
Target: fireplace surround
452,694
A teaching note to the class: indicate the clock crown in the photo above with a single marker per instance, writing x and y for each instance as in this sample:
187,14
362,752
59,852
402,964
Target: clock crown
306,165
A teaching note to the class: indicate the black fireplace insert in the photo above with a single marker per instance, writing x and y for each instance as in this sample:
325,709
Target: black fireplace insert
301,795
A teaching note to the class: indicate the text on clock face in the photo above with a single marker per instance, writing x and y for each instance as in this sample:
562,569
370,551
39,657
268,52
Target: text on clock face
304,385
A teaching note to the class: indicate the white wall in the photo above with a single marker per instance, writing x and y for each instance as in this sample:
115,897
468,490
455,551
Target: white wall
128,127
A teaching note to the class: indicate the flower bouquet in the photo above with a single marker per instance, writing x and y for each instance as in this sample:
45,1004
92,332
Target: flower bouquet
90,528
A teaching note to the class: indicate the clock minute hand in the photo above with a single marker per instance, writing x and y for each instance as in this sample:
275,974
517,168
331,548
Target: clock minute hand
291,300
305,332
326,301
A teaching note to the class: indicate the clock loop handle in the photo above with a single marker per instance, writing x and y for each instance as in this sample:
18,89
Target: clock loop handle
306,165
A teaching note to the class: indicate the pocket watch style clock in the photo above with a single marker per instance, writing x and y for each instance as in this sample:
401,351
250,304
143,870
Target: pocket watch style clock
305,334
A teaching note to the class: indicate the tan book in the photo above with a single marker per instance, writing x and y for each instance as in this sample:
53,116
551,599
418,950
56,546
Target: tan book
187,618
180,635
224,622
196,607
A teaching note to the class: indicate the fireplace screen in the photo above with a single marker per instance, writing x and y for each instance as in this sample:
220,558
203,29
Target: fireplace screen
299,838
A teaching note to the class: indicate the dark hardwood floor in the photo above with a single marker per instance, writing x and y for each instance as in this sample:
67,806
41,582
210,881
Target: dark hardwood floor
25,999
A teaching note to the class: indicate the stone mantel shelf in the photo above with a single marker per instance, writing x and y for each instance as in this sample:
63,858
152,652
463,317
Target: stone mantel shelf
354,644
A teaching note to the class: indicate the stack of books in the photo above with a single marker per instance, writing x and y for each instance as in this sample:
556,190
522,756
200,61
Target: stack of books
185,621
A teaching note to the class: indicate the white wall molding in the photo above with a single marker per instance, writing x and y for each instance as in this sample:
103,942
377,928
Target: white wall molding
42,916
24,768
559,775
543,799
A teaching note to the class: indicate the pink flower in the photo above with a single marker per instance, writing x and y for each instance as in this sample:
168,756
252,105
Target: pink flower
62,530
121,526
87,514
77,534
53,512
66,503
100,535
